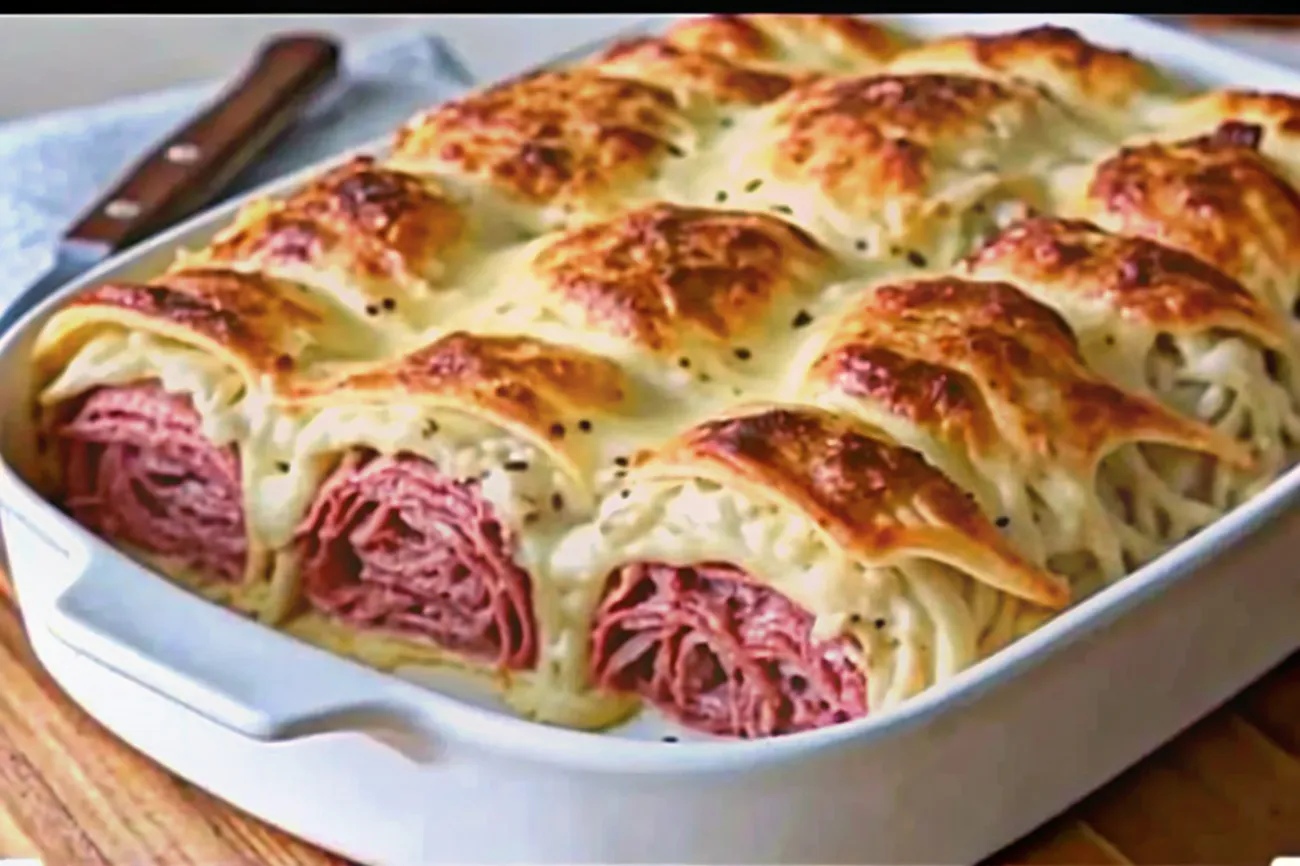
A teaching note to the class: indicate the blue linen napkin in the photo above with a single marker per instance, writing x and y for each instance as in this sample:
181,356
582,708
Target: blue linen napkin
54,165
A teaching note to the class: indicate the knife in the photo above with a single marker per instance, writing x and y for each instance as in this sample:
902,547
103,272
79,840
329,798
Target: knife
193,164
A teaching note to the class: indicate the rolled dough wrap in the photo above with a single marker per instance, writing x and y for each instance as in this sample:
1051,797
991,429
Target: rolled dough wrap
801,548
989,385
416,503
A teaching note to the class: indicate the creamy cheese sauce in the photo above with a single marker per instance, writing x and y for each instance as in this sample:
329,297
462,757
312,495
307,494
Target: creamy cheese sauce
933,620
286,457
917,623
117,357
1091,530
1225,381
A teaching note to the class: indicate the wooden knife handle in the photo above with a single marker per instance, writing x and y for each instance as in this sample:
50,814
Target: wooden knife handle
1230,22
194,163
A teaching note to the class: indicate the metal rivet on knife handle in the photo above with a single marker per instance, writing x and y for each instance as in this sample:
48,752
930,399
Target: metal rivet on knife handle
193,164
122,209
183,153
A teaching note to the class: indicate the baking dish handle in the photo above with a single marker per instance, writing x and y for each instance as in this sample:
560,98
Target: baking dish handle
252,680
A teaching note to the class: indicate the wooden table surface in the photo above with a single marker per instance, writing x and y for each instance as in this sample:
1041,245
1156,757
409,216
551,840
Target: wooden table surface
1225,791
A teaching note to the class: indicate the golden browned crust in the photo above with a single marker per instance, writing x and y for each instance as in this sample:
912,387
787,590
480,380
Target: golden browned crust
572,138
691,73
904,154
991,371
1215,197
872,497
656,274
873,137
1276,112
1137,279
821,43
1056,58
537,380
263,327
380,228
538,390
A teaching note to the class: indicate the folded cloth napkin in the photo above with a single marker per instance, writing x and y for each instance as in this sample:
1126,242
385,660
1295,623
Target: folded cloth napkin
53,166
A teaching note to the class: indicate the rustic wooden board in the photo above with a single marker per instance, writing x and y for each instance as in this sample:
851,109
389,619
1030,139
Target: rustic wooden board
1226,791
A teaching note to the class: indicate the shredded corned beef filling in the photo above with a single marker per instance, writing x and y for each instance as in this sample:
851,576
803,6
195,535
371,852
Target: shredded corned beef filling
391,543
720,653
139,471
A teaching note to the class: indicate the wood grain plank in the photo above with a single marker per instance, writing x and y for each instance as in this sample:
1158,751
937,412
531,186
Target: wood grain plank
1222,793
31,811
14,841
1065,841
263,843
1242,763
131,809
1273,705
83,780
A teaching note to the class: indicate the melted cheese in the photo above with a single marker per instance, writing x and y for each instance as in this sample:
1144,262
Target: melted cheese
934,620
463,448
1225,381
917,623
1146,319
964,173
228,413
118,357
1092,531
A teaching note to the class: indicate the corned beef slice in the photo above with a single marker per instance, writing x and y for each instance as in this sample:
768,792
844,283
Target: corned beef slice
140,471
391,543
721,653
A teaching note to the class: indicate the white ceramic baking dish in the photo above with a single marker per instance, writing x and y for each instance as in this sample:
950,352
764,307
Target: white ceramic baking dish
385,771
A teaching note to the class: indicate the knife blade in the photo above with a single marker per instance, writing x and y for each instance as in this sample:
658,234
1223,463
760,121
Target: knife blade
191,166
